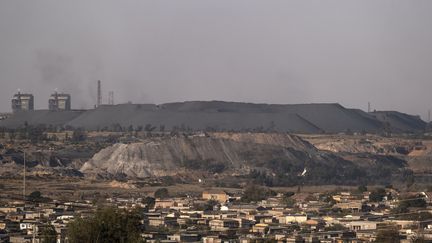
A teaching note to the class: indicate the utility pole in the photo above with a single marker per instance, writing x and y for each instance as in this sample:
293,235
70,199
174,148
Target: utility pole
24,178
34,233
369,107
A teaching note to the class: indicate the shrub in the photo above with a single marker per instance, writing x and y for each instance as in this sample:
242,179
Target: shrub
161,193
107,225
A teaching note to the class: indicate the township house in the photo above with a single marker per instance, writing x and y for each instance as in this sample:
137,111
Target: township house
217,195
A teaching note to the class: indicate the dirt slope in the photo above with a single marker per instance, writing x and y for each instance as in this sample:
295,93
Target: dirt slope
273,159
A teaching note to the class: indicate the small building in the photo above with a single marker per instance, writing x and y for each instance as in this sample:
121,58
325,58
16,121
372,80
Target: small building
159,203
7,210
293,218
260,228
223,224
156,221
361,225
217,195
20,238
190,238
354,205
32,215
211,239
27,225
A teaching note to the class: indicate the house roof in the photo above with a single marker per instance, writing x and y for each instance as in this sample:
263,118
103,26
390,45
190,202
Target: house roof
214,191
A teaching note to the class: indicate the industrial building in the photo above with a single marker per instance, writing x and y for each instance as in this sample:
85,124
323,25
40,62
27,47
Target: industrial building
22,102
59,102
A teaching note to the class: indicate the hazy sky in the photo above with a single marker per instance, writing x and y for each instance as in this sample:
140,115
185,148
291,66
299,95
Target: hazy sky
349,52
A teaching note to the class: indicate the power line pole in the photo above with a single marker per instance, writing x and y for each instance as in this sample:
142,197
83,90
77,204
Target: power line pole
24,179
34,233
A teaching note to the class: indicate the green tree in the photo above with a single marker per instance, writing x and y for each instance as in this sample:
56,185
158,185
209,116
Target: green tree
388,235
161,193
149,201
107,225
287,200
48,234
79,135
36,196
377,195
254,193
210,205
406,203
362,189
35,133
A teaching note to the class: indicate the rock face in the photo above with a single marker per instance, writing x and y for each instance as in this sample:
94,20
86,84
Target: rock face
138,160
169,156
362,144
278,159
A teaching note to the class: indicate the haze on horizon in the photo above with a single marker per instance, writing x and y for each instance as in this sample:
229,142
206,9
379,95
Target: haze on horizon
343,51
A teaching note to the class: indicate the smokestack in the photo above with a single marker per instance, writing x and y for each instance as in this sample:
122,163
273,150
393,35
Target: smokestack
99,93
111,98
369,107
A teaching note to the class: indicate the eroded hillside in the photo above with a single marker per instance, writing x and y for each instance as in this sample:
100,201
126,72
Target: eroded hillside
275,159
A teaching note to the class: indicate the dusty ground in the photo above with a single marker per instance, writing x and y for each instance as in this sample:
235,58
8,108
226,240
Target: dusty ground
72,189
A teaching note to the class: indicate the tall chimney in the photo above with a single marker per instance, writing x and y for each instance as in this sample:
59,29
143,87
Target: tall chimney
111,98
99,94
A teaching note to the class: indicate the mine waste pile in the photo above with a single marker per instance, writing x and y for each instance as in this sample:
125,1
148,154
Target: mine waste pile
224,142
273,159
224,116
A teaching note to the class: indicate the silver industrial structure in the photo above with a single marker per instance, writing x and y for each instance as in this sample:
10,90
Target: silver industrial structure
56,102
99,100
59,102
22,102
